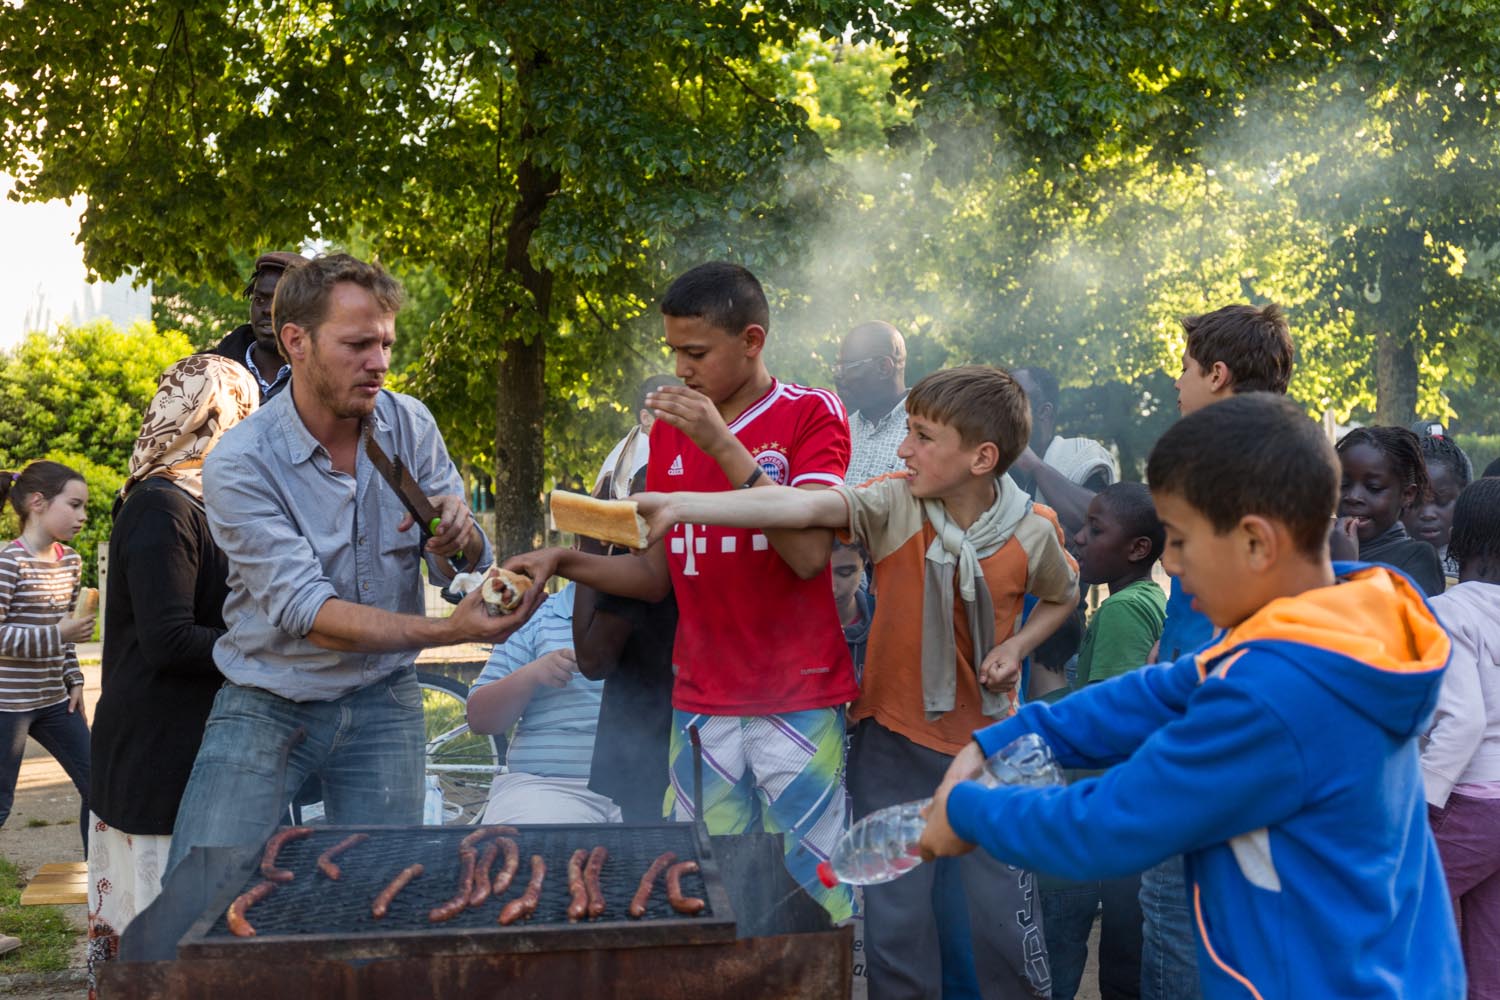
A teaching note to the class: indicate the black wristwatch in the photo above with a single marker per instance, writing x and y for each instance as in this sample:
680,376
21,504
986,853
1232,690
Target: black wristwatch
754,477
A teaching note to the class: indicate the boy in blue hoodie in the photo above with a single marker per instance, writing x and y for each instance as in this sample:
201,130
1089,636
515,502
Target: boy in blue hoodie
1281,760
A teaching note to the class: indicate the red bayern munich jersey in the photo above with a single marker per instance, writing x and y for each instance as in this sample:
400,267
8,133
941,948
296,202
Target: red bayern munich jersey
752,637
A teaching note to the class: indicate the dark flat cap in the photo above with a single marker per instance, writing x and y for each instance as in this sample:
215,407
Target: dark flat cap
278,260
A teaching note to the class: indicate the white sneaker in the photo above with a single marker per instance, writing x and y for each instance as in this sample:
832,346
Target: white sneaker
8,944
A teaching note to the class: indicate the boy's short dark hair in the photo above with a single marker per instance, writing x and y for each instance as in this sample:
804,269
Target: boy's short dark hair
981,402
1132,506
1254,342
722,294
1256,453
1476,523
1491,470
839,545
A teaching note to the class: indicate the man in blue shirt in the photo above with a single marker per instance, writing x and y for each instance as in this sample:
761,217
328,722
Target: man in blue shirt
325,610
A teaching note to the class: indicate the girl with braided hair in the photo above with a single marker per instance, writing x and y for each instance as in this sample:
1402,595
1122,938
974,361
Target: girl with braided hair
1430,519
1384,475
1461,749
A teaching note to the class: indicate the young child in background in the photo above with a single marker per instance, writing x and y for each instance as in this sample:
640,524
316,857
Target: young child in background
1383,476
851,594
1430,519
41,686
1461,751
957,546
1119,543
1282,759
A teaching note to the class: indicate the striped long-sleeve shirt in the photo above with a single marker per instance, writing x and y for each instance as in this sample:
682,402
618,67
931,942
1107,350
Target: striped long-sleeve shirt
37,668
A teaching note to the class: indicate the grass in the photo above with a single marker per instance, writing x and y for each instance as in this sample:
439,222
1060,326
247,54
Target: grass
37,821
47,936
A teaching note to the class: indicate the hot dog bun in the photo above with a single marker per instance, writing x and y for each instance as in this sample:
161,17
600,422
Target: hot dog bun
502,590
616,521
88,603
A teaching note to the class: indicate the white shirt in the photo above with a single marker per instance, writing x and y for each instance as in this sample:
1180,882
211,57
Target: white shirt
872,445
641,451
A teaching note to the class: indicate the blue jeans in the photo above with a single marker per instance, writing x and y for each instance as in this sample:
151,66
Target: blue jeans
1068,911
1169,946
65,736
367,748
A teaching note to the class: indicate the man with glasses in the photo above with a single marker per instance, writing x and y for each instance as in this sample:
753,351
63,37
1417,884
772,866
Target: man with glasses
871,379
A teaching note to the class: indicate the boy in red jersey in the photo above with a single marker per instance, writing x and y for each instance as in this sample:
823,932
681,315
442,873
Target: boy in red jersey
762,667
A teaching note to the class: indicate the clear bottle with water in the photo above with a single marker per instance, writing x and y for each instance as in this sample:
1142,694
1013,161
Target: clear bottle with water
883,845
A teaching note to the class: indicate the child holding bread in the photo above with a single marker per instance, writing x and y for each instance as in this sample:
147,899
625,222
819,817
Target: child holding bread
41,687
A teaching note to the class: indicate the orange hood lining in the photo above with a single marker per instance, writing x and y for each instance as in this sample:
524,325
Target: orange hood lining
1373,615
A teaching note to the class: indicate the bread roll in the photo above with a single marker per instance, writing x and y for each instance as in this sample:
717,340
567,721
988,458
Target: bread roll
88,603
616,521
502,590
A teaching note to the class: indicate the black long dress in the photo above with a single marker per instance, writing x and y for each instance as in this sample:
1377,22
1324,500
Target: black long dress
163,612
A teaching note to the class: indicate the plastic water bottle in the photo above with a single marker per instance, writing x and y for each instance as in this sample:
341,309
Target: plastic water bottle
883,845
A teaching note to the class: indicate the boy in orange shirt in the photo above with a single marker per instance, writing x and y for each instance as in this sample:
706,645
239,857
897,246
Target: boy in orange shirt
956,546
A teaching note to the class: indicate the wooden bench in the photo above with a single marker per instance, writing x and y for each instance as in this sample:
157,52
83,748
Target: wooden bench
58,883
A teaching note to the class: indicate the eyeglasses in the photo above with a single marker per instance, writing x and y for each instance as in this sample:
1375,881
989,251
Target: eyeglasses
843,369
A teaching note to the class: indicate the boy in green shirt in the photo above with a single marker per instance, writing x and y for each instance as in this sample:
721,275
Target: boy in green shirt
1119,543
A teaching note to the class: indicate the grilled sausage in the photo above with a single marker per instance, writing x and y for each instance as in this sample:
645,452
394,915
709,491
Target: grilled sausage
591,880
580,904
325,860
479,886
471,842
508,868
525,905
235,918
383,901
681,903
460,900
648,882
273,847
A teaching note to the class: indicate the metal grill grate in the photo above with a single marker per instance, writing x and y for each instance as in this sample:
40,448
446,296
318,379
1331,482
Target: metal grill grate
313,904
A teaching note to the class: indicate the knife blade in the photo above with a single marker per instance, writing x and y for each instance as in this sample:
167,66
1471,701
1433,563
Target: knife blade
396,476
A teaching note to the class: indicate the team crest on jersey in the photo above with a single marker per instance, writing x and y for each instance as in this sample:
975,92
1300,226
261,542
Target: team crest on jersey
773,462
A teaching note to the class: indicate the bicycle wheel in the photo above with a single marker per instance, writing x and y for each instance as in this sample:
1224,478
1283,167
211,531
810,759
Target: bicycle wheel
463,762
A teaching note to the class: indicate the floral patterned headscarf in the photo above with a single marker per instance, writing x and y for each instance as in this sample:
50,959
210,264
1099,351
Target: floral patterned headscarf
197,399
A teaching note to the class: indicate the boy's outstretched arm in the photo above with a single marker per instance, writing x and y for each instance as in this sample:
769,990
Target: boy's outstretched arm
768,507
643,576
1229,767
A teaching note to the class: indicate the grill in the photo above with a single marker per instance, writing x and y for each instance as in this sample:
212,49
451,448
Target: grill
316,917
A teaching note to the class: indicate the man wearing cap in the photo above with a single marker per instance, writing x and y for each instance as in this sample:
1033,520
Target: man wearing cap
253,344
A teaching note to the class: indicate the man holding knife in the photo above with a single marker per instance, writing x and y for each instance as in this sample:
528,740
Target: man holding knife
325,611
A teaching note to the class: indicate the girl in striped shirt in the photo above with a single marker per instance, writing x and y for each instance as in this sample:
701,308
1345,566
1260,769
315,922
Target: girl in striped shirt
41,687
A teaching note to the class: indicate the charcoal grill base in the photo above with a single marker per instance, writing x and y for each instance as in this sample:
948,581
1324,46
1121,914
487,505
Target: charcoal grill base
810,966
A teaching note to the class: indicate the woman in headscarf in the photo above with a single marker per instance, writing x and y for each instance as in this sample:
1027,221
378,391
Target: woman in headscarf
163,612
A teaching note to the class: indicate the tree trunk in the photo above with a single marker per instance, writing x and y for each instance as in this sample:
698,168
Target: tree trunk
520,405
521,396
1395,378
1395,323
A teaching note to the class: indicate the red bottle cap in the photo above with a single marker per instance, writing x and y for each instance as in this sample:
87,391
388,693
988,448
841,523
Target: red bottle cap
826,875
